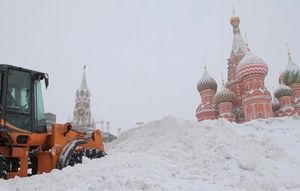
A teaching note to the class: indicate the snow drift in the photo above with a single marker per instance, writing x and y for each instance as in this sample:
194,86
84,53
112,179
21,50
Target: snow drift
173,154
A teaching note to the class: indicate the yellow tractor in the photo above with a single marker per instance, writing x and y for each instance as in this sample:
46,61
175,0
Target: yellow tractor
27,147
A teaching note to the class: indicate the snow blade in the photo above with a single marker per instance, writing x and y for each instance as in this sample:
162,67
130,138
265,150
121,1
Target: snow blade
67,153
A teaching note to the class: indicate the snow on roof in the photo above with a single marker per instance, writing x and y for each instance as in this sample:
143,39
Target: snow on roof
238,44
173,154
291,74
251,58
83,85
224,95
283,90
206,82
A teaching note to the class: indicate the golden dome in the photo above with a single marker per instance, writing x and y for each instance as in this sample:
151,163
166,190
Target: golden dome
235,21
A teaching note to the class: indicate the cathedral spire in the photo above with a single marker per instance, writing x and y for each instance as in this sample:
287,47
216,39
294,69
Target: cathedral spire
238,46
83,85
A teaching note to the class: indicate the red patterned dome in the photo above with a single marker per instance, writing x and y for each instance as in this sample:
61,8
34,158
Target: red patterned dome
251,64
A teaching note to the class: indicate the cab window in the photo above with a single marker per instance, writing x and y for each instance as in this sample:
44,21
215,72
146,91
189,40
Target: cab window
18,99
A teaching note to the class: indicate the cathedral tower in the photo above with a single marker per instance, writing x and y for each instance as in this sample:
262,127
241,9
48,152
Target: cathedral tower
238,51
224,100
82,113
291,78
256,98
207,88
284,95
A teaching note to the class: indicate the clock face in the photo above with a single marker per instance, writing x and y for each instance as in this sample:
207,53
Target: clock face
80,112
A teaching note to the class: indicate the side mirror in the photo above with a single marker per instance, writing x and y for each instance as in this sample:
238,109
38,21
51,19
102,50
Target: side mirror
42,76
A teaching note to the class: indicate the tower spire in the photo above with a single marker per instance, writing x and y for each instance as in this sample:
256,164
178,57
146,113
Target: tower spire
238,45
82,117
83,85
233,12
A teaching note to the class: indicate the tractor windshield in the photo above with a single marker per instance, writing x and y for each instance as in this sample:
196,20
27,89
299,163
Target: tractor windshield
18,99
24,101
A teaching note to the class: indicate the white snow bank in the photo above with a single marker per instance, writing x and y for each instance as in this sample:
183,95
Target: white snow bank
172,154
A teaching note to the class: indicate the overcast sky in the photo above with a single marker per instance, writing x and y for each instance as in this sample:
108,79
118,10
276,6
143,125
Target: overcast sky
144,57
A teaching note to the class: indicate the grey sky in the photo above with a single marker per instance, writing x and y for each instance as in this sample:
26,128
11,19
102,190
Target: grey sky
143,58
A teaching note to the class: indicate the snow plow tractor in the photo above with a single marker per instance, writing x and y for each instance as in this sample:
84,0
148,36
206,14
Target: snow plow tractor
27,146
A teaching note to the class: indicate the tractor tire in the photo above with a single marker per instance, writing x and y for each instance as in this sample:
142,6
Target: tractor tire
93,153
69,156
76,158
3,167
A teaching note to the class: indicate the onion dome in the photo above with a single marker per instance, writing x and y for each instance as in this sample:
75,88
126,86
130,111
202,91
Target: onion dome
235,21
225,95
291,74
206,82
283,90
275,104
251,64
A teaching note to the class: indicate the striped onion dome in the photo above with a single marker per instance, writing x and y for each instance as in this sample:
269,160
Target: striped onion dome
251,64
283,90
206,82
225,95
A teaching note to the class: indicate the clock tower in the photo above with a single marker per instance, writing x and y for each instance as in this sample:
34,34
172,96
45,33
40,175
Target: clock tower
82,112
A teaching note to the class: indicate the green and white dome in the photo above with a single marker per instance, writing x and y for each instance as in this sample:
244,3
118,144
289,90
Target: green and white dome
291,74
283,90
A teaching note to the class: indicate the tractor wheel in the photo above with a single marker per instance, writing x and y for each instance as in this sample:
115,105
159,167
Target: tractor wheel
93,153
3,167
76,158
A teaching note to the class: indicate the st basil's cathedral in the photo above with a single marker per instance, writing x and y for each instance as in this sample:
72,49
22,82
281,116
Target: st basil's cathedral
245,97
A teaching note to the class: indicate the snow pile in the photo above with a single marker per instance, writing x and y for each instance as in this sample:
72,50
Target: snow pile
172,154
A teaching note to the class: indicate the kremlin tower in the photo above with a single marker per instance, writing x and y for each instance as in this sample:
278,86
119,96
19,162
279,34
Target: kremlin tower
82,112
245,96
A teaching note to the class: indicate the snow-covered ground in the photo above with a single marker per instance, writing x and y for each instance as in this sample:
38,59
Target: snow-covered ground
173,154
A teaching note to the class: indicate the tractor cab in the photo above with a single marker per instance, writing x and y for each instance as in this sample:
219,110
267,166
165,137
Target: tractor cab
21,100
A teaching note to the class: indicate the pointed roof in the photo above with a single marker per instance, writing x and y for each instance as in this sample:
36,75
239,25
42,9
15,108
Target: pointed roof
291,64
250,58
238,44
83,85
